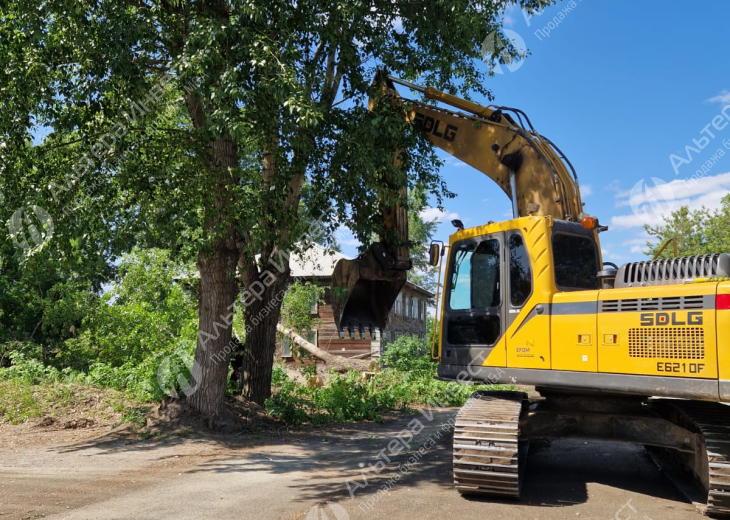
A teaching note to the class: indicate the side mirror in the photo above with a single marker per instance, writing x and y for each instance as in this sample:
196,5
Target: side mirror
434,254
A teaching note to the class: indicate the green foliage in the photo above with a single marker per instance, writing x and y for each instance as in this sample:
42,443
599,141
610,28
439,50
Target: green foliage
17,402
409,354
260,98
119,339
408,382
698,232
21,400
296,309
30,371
142,315
420,233
278,376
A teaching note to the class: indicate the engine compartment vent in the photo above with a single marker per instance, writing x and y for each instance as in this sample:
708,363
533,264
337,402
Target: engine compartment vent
666,303
673,271
667,343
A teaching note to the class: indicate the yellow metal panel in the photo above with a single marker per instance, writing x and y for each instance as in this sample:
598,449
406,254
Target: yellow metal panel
723,335
529,347
498,356
662,342
528,336
573,331
530,223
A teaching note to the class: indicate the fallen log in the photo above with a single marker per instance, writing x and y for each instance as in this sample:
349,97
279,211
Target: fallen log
336,363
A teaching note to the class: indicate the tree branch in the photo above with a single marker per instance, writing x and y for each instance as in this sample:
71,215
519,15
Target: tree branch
337,363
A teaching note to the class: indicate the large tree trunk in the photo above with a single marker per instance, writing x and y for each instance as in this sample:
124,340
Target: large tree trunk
258,360
337,363
218,291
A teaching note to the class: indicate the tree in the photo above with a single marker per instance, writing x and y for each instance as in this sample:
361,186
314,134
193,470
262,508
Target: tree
698,232
420,233
194,125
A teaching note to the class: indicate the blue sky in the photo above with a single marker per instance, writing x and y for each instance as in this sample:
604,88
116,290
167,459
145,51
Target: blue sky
619,86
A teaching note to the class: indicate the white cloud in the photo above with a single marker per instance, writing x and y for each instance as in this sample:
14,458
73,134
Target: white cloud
345,237
723,98
437,215
694,193
635,242
614,185
586,190
452,161
510,15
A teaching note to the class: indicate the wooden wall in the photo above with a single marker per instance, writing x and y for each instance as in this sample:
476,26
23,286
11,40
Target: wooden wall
328,338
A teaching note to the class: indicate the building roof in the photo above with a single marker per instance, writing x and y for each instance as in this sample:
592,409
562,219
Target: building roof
318,262
314,261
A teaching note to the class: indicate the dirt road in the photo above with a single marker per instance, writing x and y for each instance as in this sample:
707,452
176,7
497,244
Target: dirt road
269,478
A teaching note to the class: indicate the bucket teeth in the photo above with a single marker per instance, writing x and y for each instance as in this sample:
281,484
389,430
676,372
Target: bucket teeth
487,453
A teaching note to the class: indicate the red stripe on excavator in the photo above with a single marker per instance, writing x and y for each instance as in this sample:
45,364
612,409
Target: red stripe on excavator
723,302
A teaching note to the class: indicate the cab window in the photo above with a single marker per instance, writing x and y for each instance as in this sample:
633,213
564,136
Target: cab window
576,262
475,276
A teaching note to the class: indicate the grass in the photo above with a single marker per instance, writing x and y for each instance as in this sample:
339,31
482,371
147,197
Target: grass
18,403
22,401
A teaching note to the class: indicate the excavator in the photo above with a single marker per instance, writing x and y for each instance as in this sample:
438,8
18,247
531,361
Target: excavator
635,353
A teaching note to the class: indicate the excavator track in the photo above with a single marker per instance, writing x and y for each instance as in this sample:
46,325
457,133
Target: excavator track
486,444
712,421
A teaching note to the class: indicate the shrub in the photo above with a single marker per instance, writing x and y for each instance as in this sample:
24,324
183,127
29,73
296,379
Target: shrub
409,354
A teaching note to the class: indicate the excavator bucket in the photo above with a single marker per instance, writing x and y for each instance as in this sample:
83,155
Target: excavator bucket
365,289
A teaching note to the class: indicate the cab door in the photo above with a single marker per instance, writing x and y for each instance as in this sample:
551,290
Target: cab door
474,321
528,316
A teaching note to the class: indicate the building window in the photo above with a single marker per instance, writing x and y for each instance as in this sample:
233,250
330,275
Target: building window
314,309
415,308
286,342
311,336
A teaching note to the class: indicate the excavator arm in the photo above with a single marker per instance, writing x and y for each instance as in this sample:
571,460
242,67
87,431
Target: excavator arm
499,142
528,167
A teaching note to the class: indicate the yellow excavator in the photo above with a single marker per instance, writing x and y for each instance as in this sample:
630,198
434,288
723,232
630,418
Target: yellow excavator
638,353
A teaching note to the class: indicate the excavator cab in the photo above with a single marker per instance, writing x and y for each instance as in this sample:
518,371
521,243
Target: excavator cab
497,280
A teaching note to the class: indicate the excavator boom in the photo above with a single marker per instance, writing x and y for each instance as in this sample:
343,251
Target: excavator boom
494,140
527,166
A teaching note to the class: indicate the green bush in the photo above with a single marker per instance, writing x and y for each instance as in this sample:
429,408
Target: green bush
28,370
406,383
144,314
409,354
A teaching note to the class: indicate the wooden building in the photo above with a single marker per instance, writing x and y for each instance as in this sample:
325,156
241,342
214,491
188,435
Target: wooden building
408,315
